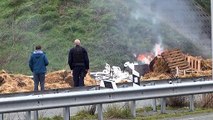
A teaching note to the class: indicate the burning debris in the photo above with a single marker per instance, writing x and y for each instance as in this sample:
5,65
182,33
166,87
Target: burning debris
174,63
147,57
167,64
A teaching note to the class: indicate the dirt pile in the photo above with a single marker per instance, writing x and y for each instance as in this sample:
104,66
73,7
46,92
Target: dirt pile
11,83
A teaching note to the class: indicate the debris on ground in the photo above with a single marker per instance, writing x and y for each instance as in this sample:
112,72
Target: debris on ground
12,83
170,64
175,64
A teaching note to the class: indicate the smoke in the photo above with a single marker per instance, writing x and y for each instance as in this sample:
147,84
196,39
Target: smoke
171,23
185,17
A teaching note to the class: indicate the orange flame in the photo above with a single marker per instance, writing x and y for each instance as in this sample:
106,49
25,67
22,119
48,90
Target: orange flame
145,58
148,57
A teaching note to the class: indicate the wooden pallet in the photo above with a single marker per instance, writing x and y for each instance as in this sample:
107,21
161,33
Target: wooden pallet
175,59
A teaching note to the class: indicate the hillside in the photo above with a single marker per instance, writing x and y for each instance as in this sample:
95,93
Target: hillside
109,29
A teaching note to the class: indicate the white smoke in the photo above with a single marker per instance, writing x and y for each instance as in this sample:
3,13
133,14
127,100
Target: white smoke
182,16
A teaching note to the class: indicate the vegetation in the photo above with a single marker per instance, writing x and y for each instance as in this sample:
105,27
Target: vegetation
205,4
53,118
84,115
109,29
181,113
114,111
146,113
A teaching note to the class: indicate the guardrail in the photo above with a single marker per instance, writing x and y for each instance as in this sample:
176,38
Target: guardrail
99,97
175,80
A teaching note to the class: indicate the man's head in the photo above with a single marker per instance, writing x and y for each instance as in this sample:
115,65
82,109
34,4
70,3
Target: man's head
38,47
77,42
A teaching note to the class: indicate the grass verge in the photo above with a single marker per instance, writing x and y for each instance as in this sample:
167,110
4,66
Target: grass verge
115,112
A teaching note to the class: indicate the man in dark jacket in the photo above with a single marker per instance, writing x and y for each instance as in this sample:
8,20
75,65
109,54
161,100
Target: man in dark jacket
79,63
37,63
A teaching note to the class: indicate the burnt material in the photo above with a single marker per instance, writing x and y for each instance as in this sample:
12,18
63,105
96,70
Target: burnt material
142,69
159,65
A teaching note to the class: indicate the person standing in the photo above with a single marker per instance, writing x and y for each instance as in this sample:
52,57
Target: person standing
37,63
78,61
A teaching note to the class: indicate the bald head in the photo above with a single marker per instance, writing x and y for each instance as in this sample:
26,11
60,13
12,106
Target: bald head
77,42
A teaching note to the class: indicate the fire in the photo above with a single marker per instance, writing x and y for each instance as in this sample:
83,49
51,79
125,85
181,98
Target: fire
146,58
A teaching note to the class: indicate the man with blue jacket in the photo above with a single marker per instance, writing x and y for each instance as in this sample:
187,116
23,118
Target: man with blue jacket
37,63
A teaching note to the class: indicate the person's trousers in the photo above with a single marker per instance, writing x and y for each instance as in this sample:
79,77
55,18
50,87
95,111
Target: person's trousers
78,76
39,78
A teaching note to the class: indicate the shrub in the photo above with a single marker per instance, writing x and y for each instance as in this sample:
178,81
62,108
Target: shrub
13,3
114,111
46,26
53,118
83,115
178,101
50,16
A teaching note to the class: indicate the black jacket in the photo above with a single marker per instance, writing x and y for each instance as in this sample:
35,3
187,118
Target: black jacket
78,57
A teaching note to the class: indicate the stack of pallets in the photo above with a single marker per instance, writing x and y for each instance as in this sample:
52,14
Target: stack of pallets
176,61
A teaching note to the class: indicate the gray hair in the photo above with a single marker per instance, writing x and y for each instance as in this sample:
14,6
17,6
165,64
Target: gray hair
77,42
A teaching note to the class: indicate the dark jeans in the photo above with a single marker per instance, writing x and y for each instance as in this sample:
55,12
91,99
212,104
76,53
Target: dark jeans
78,76
39,78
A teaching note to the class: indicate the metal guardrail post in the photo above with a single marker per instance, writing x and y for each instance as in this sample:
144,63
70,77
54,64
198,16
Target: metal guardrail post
66,111
154,105
133,108
100,112
28,115
35,115
191,98
1,116
163,105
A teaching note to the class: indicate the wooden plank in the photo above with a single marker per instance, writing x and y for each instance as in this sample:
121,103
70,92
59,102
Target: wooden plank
179,67
184,68
177,60
178,63
173,55
169,54
172,51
